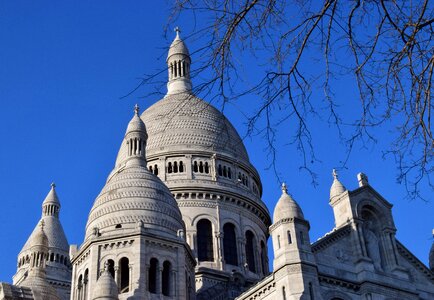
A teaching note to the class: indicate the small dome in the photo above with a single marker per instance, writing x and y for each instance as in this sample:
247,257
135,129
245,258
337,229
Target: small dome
134,195
337,187
136,124
178,46
105,287
39,238
286,207
52,197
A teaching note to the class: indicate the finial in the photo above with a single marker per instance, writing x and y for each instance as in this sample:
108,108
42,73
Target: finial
335,174
136,109
53,185
284,188
177,30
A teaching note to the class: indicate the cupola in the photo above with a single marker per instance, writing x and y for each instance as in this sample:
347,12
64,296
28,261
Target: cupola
337,187
178,64
135,139
51,204
286,207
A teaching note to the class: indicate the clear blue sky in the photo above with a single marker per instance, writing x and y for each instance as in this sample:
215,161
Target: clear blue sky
64,66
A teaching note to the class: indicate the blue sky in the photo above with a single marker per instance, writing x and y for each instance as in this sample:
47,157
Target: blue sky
64,67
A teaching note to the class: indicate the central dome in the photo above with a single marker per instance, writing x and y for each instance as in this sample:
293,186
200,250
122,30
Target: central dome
185,122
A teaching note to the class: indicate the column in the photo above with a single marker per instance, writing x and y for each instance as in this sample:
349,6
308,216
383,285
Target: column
130,274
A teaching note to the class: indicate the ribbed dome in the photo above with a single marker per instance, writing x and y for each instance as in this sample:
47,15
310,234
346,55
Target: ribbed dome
286,207
132,195
178,47
184,122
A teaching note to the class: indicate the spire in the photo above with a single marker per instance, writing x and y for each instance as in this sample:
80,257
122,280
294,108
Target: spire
337,187
178,64
136,137
51,204
286,207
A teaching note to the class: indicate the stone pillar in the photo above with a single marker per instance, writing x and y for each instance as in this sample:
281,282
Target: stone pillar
242,253
173,281
116,268
213,167
162,171
188,167
159,278
130,274
219,243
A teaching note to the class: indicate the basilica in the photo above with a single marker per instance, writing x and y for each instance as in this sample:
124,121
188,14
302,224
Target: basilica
181,217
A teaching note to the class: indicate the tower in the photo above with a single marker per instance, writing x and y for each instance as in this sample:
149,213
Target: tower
372,226
199,155
58,267
293,257
35,277
135,233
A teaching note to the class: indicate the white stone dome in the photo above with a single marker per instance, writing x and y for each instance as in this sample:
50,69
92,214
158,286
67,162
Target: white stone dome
105,287
132,195
184,122
286,207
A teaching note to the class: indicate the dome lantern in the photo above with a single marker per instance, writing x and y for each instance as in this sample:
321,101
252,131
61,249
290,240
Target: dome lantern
178,65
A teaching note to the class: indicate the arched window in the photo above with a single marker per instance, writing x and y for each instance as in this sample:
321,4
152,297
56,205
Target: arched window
169,168
152,276
124,275
57,257
229,173
175,167
181,167
111,267
200,167
195,168
263,258
206,168
283,293
250,251
85,283
52,257
230,244
80,287
204,241
155,169
289,237
225,173
165,280
220,170
150,169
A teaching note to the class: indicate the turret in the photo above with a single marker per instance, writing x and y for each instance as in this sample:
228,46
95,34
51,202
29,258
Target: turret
337,187
290,232
135,139
178,64
36,274
291,243
51,243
